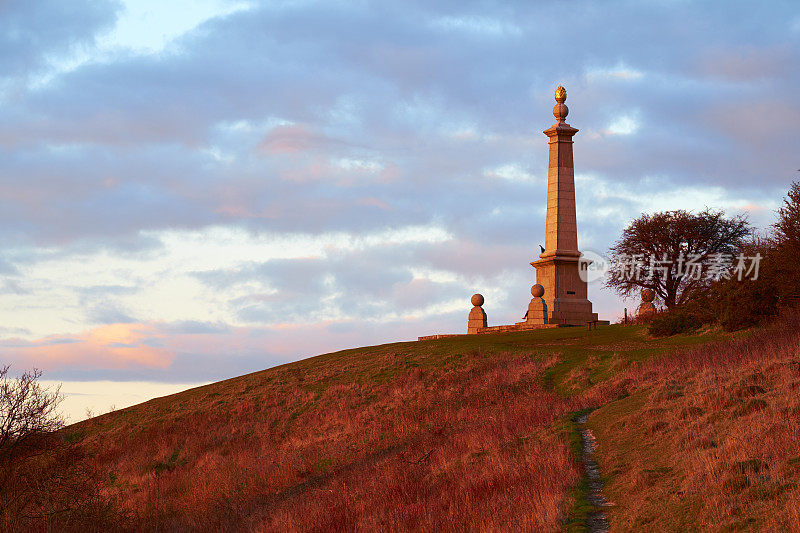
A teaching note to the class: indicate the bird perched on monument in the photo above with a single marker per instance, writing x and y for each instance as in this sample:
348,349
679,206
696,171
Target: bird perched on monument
541,248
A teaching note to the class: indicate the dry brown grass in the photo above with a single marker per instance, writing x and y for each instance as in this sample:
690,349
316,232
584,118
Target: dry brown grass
709,439
468,443
470,434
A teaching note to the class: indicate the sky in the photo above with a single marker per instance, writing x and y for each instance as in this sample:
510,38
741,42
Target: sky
193,190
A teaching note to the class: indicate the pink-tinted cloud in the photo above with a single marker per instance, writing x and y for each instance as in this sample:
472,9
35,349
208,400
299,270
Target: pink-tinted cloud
756,124
110,346
744,63
369,201
293,139
753,208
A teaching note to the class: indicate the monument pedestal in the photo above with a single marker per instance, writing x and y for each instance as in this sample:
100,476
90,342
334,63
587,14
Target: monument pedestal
566,298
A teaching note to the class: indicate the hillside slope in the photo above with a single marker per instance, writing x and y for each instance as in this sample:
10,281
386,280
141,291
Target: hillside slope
707,439
459,433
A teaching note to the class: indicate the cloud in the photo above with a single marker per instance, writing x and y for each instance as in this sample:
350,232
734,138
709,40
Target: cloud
111,346
619,72
624,125
107,314
261,181
33,34
745,63
261,115
512,172
292,139
148,26
479,25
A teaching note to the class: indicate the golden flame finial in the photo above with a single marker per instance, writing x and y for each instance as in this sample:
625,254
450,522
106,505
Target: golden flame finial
561,94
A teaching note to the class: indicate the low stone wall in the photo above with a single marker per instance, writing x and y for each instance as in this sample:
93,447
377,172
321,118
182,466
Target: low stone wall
440,336
519,326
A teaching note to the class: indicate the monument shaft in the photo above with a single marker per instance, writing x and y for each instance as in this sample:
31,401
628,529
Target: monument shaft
561,225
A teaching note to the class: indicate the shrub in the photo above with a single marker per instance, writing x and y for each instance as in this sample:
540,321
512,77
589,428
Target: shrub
740,303
747,304
674,322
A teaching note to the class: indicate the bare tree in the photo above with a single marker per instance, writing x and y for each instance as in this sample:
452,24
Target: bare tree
672,238
45,477
27,411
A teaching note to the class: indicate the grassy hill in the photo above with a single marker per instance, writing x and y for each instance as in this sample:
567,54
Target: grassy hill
471,433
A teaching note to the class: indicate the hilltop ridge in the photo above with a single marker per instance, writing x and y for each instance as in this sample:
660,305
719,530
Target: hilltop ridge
470,432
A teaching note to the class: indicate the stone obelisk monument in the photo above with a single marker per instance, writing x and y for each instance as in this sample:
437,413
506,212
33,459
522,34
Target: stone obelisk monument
557,269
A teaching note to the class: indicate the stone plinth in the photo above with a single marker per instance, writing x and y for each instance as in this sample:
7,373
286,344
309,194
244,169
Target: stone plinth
646,308
537,309
477,319
477,316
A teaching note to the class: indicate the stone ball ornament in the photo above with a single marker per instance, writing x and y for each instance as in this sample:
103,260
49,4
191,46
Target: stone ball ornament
477,300
648,295
537,291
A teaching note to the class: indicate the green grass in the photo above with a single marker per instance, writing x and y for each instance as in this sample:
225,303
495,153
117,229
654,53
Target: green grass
575,519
